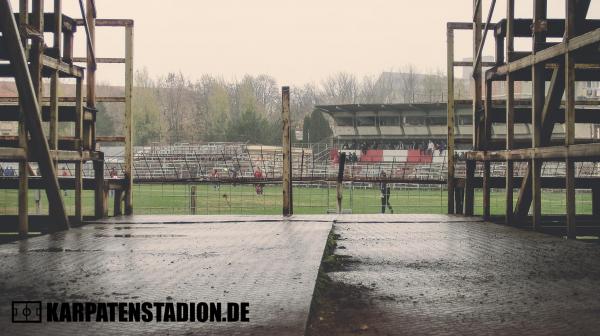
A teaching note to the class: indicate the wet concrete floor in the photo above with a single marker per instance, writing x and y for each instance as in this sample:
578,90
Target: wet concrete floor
447,277
272,265
420,275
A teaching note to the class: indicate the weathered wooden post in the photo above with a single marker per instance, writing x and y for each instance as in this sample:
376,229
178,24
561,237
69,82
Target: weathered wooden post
340,180
129,119
450,147
118,201
288,207
510,110
193,200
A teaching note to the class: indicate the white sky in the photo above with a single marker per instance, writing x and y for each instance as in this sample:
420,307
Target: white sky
295,41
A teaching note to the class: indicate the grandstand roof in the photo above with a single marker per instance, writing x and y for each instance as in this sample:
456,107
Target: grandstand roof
331,109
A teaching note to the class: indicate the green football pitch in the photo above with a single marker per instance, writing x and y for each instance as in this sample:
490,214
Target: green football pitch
242,199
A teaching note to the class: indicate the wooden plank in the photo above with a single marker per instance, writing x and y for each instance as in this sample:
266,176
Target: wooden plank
66,69
470,64
288,209
118,138
109,22
105,60
129,119
8,154
31,107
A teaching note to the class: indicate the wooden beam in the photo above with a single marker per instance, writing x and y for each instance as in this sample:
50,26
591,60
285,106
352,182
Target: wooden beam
111,60
595,201
509,111
496,182
129,119
450,120
540,11
588,39
288,209
55,80
578,153
554,27
549,117
469,188
570,27
109,22
23,142
68,99
477,72
89,130
31,107
65,113
68,183
487,133
8,154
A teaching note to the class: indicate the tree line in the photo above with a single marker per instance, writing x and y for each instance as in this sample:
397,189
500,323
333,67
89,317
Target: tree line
174,108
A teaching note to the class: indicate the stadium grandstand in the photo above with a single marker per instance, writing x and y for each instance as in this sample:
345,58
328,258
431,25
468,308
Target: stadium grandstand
383,132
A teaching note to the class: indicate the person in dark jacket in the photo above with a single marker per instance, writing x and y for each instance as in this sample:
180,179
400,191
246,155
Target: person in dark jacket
385,193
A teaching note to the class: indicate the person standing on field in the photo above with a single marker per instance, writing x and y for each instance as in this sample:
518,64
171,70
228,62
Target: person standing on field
385,193
258,187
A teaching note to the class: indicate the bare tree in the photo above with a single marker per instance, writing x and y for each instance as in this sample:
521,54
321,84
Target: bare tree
410,84
340,88
171,96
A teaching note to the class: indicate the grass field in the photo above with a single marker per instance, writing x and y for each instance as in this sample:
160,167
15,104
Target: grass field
242,199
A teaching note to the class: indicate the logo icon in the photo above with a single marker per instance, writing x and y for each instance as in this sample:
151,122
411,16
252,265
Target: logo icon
27,311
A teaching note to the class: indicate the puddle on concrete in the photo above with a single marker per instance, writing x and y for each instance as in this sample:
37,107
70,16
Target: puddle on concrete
106,227
139,236
57,249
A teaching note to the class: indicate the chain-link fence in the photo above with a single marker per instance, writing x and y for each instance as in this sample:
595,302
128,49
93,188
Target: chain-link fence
236,178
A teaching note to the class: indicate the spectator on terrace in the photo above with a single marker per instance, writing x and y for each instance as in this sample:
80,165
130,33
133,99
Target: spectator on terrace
364,147
430,147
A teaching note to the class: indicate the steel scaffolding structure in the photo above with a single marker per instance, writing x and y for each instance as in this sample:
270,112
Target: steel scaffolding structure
553,68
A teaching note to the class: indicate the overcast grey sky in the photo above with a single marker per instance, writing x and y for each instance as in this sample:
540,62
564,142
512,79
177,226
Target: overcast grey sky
295,41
